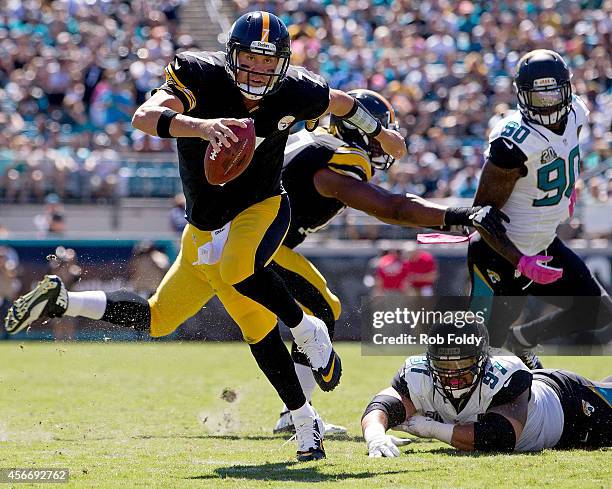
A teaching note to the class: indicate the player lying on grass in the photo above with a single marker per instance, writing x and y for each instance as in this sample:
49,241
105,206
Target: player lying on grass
476,399
533,161
205,94
327,170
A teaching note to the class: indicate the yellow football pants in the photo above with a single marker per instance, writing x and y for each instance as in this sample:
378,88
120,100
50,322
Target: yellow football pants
254,237
186,288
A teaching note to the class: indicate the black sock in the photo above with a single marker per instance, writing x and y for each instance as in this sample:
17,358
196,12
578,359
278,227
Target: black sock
266,288
275,362
127,309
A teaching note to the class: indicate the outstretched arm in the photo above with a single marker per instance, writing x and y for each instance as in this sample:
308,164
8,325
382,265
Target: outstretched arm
498,430
404,210
388,408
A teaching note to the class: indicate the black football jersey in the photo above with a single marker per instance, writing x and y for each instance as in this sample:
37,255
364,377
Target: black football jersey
207,91
305,154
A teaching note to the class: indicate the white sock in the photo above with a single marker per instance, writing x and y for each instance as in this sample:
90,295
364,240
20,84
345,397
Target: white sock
305,326
305,411
90,304
307,380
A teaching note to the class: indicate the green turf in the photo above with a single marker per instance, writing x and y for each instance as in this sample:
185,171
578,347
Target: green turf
152,415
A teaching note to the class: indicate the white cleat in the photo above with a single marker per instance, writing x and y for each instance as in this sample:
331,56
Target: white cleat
325,362
309,436
285,425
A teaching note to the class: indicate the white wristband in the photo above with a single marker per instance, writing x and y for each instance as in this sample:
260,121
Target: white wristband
372,431
443,432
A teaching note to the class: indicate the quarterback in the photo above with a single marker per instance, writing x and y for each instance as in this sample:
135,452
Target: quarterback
472,398
205,94
533,160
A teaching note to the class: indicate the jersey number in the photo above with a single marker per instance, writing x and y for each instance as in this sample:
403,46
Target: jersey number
304,74
490,378
515,132
559,178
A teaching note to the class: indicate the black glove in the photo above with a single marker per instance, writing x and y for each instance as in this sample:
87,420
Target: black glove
487,218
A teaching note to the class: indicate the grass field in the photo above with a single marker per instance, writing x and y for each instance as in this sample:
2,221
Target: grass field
153,415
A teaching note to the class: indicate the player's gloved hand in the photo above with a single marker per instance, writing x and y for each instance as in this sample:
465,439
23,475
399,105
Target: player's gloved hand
392,143
572,203
383,445
535,268
489,219
217,131
426,427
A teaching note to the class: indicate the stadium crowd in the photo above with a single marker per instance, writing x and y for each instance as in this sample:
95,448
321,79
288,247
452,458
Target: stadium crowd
447,69
71,75
73,71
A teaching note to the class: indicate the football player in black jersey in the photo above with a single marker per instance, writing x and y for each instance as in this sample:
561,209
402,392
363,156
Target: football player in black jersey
327,170
234,230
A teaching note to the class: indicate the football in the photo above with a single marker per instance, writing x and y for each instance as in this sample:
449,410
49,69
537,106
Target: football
229,163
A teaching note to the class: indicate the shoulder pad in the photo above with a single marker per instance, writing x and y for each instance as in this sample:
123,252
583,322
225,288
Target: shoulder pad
185,74
352,162
580,111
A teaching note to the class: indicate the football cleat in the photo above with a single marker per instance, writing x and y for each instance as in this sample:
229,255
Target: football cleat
49,299
309,434
285,425
329,377
525,353
325,362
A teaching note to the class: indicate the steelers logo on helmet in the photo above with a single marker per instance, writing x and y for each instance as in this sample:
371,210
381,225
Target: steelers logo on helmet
380,108
543,87
258,36
457,367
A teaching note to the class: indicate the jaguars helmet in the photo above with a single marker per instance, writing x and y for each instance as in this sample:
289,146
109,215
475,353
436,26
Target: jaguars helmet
457,369
380,108
258,33
544,91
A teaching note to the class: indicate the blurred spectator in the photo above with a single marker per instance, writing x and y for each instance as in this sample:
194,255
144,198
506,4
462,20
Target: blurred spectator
391,274
10,284
177,214
9,281
51,222
422,272
147,268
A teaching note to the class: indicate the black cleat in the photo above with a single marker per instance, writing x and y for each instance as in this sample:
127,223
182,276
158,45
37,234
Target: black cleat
525,353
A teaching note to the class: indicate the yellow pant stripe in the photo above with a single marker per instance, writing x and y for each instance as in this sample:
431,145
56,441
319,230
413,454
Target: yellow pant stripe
294,262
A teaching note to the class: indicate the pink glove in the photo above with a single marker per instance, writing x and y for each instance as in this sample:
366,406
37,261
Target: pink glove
572,203
534,268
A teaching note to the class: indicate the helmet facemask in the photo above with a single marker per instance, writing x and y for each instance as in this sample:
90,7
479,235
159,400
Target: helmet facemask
274,79
546,106
456,378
